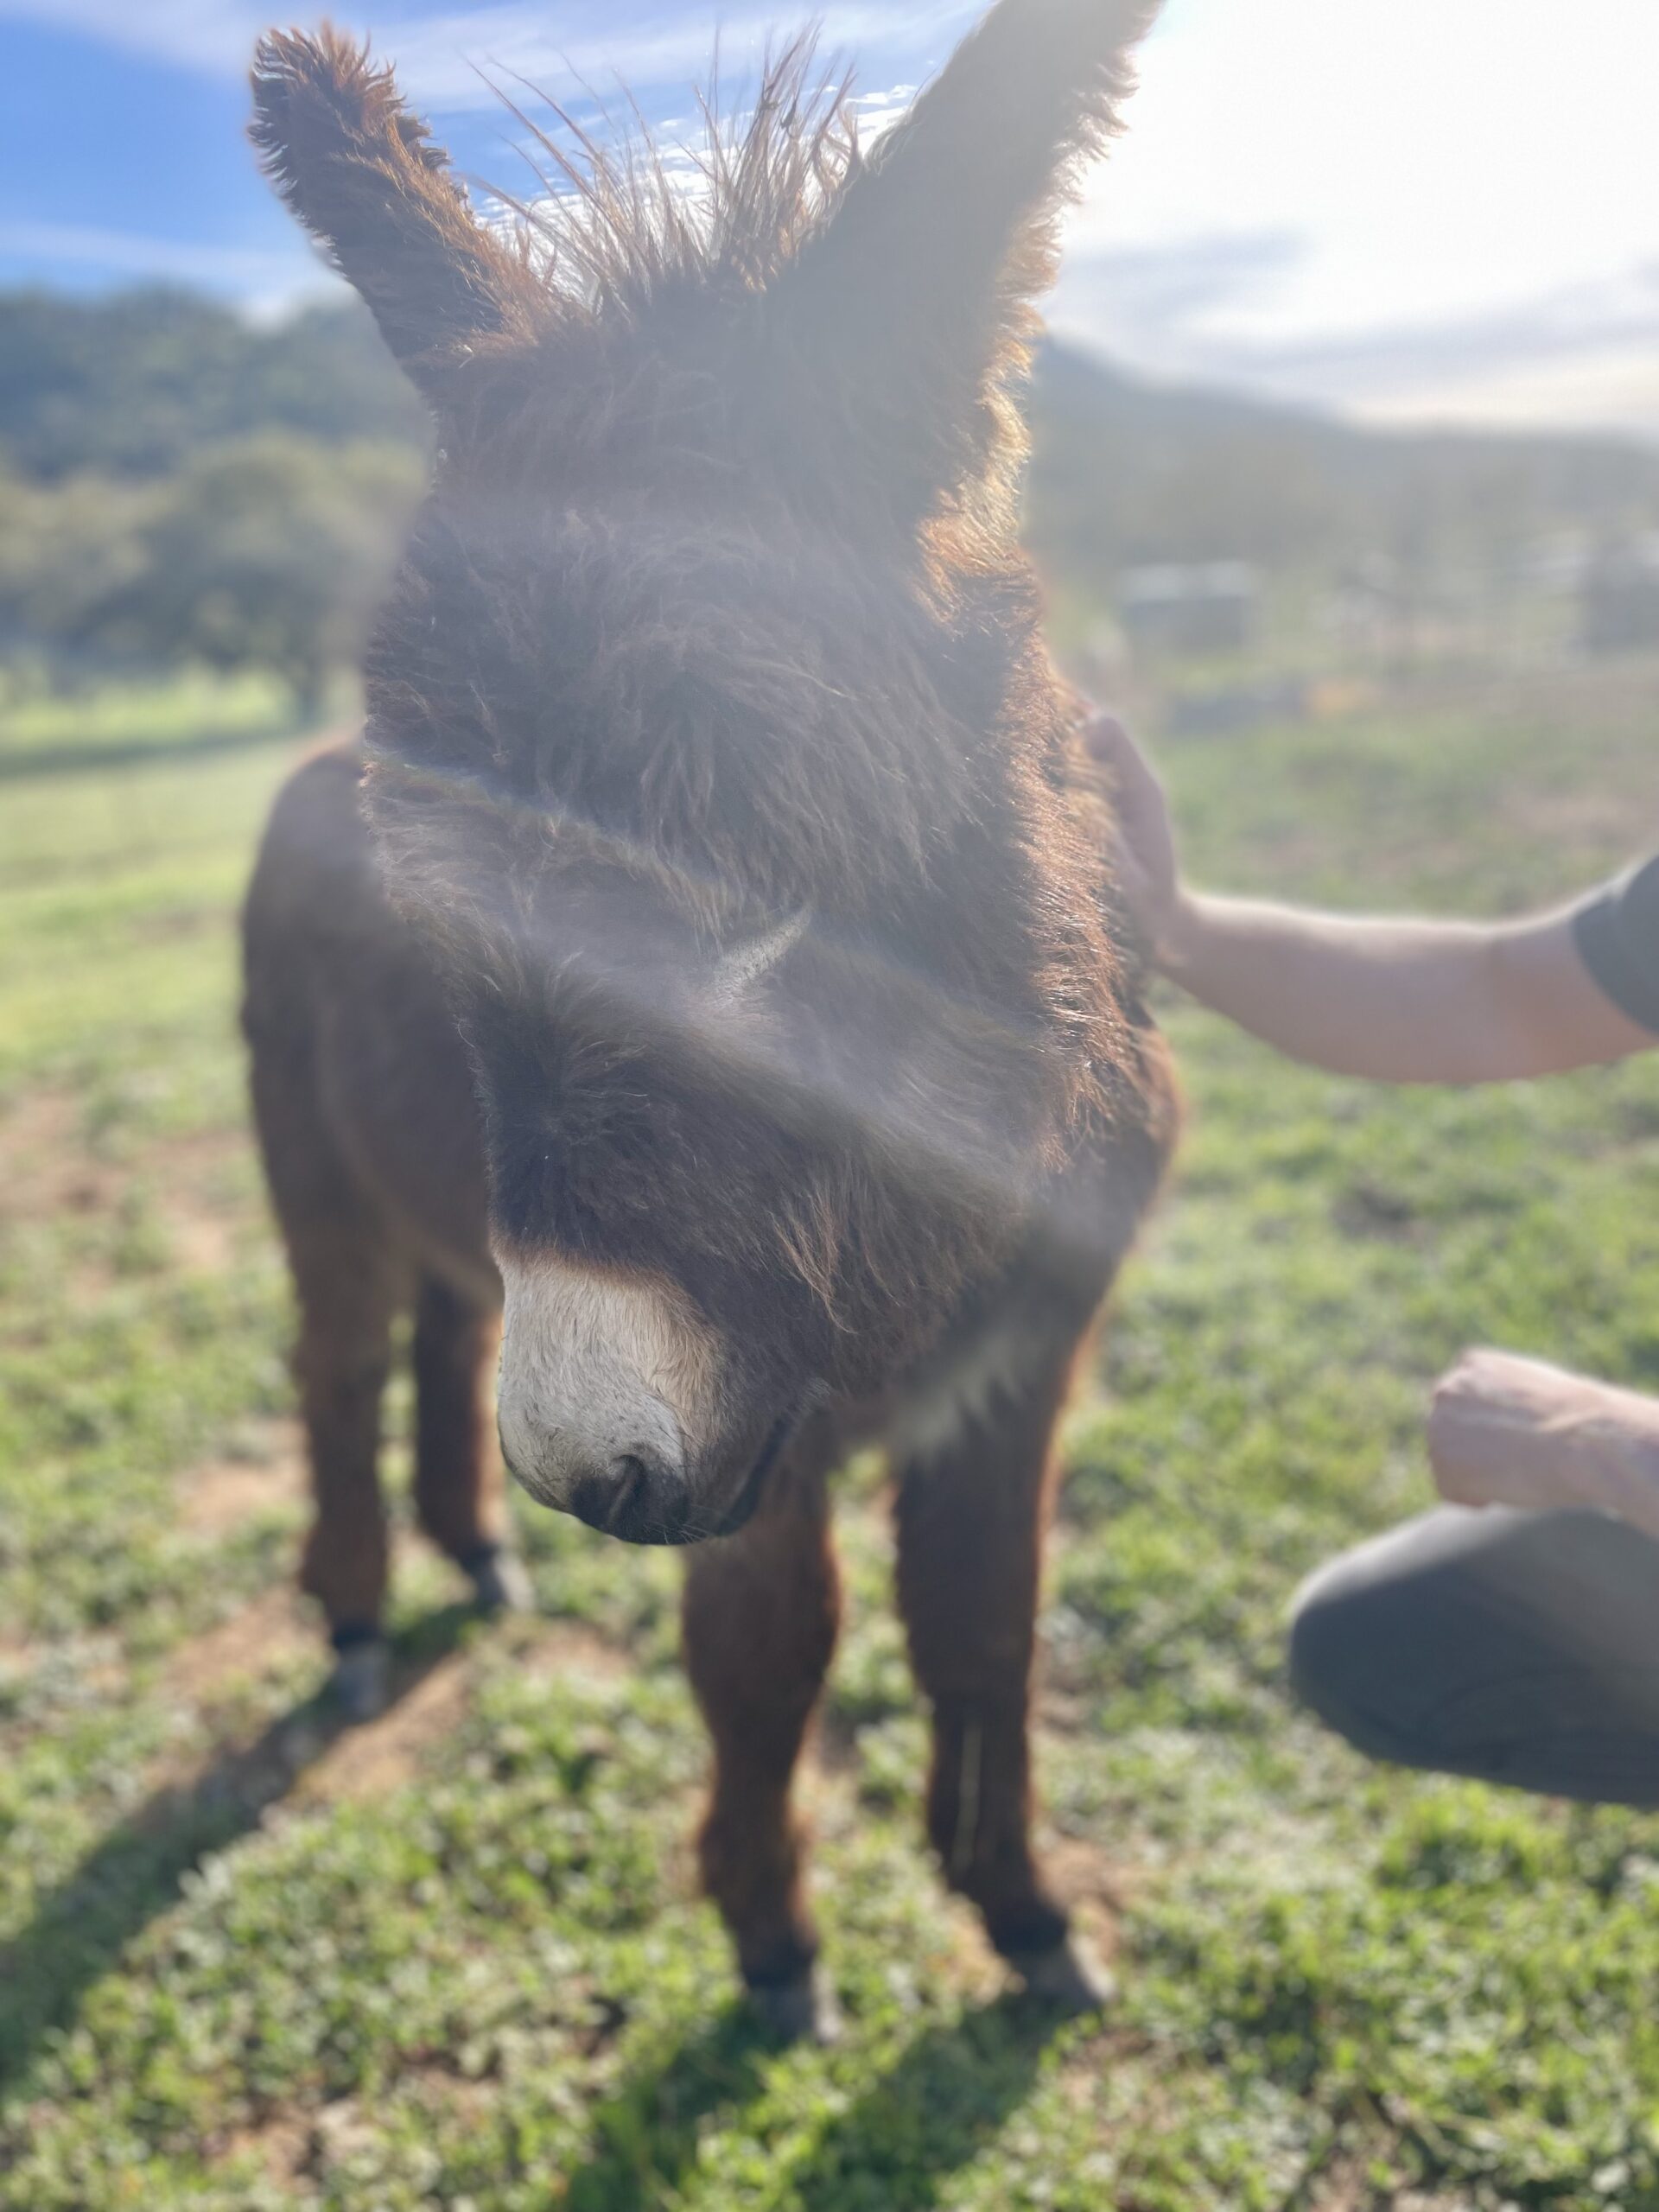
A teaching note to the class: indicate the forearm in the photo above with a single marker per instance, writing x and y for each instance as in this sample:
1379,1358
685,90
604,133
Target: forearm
1616,1459
1510,1431
1397,1002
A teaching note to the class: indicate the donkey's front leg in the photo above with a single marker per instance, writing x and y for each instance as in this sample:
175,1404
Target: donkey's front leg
761,1614
971,1518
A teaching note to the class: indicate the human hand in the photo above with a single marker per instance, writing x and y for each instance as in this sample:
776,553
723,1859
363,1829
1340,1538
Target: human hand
1148,874
1509,1431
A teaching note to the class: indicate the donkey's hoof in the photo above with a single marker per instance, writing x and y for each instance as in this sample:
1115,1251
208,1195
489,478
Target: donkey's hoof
797,2011
361,1686
1069,1978
500,1585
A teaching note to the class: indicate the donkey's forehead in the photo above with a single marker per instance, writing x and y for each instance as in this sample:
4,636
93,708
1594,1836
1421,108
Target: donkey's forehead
781,722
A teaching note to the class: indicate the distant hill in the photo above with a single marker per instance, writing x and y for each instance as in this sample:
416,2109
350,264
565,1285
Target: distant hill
180,487
1125,472
133,384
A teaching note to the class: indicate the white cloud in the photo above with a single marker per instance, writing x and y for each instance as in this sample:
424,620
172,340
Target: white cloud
1459,187
1434,152
214,36
1390,207
247,270
560,49
448,61
1585,356
1385,205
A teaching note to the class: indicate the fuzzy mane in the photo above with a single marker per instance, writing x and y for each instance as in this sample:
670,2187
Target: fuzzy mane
612,227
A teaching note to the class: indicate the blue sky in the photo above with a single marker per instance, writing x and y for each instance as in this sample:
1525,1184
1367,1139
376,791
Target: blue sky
1405,209
121,125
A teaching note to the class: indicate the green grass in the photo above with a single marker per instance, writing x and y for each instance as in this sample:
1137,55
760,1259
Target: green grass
164,713
245,1965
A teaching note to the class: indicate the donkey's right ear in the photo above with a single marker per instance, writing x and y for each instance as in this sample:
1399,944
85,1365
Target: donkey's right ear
362,175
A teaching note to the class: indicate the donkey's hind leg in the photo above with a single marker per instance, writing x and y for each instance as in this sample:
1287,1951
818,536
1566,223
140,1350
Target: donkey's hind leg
458,1478
761,1615
971,1517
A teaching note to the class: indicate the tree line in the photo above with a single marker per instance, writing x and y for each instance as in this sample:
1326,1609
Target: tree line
1126,473
182,484
179,485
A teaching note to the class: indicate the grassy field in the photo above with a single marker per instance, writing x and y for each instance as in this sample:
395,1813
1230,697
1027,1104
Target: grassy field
456,1960
170,715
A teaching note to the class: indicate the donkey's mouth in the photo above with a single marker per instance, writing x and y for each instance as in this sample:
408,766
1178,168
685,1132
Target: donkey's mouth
742,1509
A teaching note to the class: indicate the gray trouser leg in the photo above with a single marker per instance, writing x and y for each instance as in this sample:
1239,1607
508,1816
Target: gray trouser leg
1517,1647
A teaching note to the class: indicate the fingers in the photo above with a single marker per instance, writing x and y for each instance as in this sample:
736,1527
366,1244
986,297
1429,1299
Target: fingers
1107,741
1111,748
1467,1441
1144,856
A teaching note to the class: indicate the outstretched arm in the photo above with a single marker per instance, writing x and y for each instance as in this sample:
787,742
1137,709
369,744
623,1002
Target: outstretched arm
1393,1000
1400,1002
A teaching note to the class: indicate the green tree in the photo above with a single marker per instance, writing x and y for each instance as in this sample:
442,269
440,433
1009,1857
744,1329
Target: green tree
269,553
129,386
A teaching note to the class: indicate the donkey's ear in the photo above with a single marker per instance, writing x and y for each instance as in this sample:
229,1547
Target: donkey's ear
944,234
362,175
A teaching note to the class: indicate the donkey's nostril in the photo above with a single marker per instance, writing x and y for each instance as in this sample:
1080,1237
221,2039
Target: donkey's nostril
637,1498
631,1481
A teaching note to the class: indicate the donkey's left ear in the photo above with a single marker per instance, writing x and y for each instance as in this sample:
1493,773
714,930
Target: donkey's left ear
362,175
909,294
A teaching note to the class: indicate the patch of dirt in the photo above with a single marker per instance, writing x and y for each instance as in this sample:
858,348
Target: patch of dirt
283,2145
203,1243
296,2147
49,1170
1087,1877
380,1756
1344,2189
832,1745
217,1499
270,1632
44,1163
569,1650
437,2080
1062,1711
1091,2061
202,1222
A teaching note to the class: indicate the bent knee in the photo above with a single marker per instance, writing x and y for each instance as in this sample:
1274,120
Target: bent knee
1344,1648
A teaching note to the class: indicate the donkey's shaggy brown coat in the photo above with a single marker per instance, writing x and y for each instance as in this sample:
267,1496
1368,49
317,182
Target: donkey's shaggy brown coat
717,763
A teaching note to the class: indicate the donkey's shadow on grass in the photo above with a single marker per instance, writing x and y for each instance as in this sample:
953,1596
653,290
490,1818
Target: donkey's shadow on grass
941,2105
950,2092
137,1872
